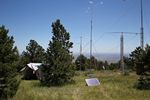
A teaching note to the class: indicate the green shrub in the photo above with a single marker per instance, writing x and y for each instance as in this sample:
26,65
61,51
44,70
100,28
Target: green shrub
10,88
143,84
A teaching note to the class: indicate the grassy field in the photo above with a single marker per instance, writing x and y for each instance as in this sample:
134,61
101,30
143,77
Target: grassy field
114,86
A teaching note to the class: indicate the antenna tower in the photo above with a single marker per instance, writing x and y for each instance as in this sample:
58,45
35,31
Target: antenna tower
142,28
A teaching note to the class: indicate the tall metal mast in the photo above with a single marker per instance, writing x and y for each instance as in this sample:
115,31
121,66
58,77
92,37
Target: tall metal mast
80,50
91,44
142,29
122,52
80,45
91,32
122,48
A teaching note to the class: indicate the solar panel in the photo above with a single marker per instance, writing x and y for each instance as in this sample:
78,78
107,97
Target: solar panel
92,82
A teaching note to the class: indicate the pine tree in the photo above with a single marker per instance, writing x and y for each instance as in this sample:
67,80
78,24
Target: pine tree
8,58
136,58
34,53
141,59
59,58
93,62
81,62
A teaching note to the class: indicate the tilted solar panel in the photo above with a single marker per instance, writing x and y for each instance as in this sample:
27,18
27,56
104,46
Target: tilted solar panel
92,82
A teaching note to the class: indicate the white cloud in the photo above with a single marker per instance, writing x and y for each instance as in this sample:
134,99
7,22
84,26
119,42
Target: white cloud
101,2
91,2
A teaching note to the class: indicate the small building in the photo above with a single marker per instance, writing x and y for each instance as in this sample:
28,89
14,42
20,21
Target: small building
32,71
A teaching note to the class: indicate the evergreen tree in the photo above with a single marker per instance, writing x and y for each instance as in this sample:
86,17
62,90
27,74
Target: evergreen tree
34,53
136,57
129,65
59,58
81,62
94,62
113,66
8,58
141,59
100,65
106,65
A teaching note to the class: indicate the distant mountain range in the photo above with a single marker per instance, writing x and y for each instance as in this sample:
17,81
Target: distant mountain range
110,57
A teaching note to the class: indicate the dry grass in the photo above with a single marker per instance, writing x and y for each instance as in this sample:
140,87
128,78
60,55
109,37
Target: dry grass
114,86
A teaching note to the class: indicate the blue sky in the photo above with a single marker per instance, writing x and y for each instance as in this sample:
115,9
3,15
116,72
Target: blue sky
32,19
